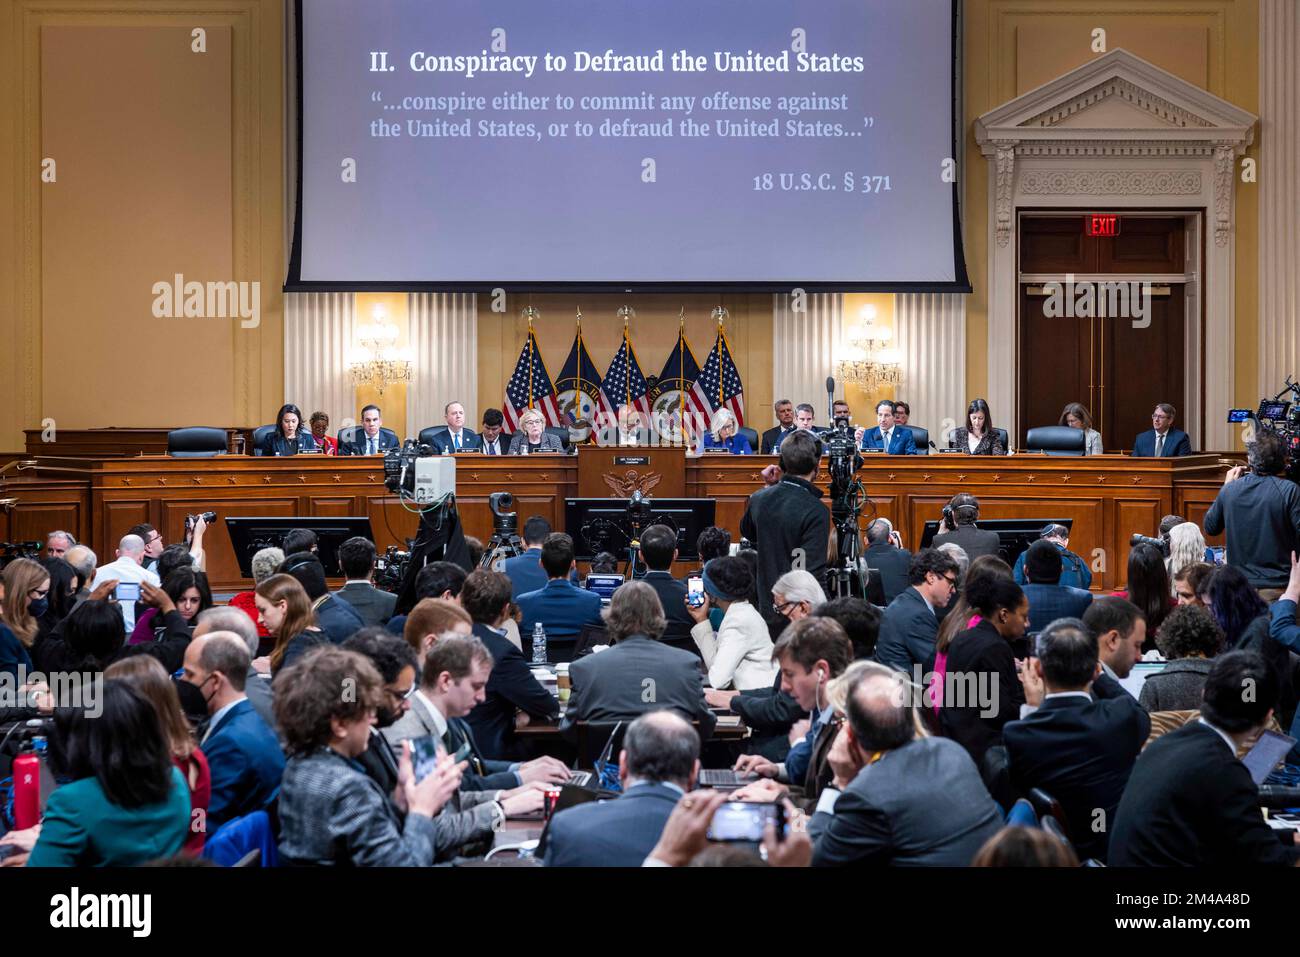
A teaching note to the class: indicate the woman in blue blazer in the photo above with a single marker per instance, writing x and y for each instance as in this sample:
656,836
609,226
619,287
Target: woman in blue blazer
725,436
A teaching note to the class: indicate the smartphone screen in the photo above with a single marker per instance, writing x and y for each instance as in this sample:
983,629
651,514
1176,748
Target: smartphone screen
127,591
745,820
425,752
695,591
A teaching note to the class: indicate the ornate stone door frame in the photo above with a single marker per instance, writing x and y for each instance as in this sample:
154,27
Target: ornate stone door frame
1116,133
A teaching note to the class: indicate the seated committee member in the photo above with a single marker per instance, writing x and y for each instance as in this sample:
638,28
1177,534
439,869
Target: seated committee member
658,764
1049,600
898,797
611,686
1162,439
289,437
723,436
1075,415
1078,749
803,421
1190,802
372,438
491,438
977,436
958,526
902,412
320,431
560,606
1074,571
454,437
124,802
244,757
532,436
887,434
331,812
357,560
784,410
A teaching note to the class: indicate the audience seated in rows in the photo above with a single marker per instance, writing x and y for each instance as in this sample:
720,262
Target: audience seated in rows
335,617
888,560
263,565
1188,639
739,653
560,607
431,619
1074,570
1049,600
525,571
659,551
285,610
435,580
357,561
257,685
909,625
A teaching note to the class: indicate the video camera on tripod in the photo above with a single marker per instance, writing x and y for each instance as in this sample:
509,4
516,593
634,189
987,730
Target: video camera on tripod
846,496
1281,417
505,541
414,473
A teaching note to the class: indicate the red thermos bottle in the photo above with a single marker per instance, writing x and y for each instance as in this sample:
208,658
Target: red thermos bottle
27,791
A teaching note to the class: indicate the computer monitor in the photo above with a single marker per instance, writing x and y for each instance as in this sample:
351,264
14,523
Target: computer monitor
249,535
1014,534
603,585
603,524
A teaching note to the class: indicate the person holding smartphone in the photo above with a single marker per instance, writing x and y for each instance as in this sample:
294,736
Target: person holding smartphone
127,569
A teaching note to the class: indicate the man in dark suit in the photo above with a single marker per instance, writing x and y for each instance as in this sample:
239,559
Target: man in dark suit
512,687
909,625
803,422
659,762
888,559
357,559
525,571
784,410
897,798
372,438
1078,749
244,756
442,580
336,617
659,551
887,435
1121,631
1049,601
561,607
1190,802
612,685
958,526
455,437
1162,439
491,439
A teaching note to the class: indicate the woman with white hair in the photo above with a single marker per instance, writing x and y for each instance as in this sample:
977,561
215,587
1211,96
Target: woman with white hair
263,565
1186,547
724,436
532,437
795,594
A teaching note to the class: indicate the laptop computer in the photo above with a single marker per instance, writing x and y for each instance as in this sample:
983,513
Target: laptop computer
724,779
1268,753
604,586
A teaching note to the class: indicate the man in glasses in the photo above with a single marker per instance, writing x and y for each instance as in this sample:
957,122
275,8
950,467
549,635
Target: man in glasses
154,544
394,659
909,624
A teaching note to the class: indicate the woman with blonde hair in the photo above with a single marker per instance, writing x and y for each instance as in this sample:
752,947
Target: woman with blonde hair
724,436
147,675
1186,547
284,608
532,436
27,586
1075,415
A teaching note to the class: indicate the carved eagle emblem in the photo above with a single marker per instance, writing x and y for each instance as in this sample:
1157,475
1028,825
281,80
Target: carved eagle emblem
629,482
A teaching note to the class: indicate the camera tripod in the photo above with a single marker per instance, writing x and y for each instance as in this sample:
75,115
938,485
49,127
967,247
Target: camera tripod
845,579
502,545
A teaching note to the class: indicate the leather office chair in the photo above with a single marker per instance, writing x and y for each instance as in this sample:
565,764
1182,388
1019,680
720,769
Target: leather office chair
1049,808
751,436
590,738
196,442
1056,440
260,435
1003,438
921,437
561,432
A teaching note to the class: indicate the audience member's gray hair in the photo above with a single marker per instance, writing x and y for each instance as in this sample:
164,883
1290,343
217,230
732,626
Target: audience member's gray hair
226,652
957,554
265,562
635,609
84,561
799,585
63,535
661,746
228,618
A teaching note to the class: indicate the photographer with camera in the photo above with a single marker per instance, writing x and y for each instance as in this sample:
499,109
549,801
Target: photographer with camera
788,522
1260,510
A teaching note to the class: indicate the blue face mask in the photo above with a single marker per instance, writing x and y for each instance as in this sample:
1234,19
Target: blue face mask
38,607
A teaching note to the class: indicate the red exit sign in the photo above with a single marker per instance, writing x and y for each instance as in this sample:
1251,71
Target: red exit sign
1101,224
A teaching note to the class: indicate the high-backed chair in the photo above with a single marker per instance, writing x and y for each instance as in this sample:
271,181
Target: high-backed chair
428,436
562,432
921,437
751,436
1056,440
1003,438
196,442
260,435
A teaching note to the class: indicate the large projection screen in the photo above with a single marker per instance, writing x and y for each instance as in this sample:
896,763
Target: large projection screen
618,144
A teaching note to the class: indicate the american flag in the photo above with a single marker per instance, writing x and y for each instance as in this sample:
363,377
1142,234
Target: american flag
530,388
707,397
623,383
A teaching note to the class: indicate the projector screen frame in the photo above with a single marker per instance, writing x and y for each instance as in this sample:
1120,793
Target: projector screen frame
960,284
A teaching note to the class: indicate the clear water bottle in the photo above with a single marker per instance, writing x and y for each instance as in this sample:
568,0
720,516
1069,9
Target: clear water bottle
539,644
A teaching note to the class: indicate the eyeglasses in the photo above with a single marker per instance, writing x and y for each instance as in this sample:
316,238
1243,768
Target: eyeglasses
783,609
403,695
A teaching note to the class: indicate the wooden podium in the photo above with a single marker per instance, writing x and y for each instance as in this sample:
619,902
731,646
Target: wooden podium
617,473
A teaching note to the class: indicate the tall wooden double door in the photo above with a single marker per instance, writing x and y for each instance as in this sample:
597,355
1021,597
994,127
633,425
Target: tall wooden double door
1118,366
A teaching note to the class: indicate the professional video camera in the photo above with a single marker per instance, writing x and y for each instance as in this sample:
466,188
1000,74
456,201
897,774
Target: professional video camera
847,493
413,472
1281,417
1159,544
390,567
192,520
10,551
622,535
505,541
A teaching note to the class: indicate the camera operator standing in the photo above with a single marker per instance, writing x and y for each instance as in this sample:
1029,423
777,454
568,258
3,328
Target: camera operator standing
788,523
1261,512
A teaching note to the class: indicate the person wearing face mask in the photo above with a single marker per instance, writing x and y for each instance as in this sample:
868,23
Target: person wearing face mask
982,690
244,757
26,598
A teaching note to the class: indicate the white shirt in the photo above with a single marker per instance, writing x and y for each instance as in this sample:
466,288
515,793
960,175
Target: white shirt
884,438
125,569
973,441
1221,733
493,447
371,443
1027,709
